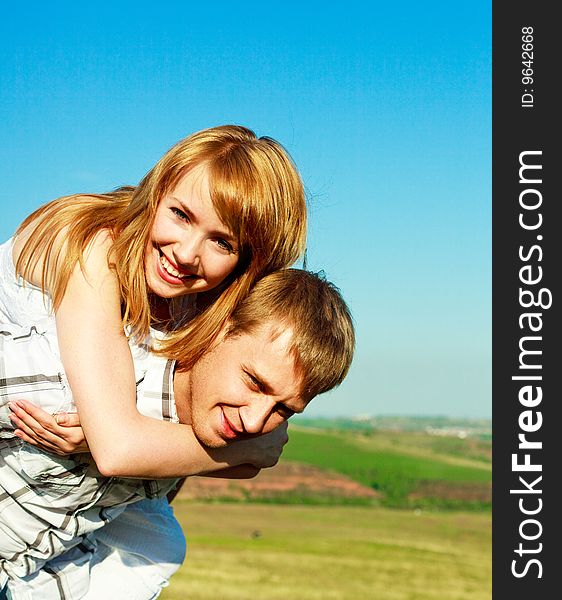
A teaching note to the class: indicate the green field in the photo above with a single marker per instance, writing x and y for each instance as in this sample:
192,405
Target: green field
427,536
269,552
409,469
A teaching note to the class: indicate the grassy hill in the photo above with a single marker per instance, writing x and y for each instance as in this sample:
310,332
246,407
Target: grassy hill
393,468
409,469
480,428
392,549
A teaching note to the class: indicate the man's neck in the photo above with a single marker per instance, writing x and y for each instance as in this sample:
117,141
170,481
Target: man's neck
182,396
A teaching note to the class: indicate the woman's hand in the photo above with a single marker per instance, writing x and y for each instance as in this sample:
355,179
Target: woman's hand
59,433
258,452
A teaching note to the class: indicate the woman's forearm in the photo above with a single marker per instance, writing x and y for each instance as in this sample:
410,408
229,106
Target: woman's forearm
176,453
181,455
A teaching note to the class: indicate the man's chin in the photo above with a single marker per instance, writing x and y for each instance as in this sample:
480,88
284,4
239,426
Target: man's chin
215,444
211,441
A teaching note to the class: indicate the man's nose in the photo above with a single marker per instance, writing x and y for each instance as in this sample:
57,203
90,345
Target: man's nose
255,414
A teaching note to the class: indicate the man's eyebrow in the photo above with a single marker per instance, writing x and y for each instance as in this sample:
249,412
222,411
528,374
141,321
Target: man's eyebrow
267,389
260,380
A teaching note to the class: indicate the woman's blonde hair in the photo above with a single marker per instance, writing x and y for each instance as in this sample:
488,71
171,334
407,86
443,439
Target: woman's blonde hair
256,191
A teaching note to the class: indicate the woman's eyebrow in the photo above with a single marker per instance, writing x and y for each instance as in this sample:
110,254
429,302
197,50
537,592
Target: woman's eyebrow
226,233
185,208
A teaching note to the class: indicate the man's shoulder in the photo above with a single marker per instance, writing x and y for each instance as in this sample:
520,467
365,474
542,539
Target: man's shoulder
154,375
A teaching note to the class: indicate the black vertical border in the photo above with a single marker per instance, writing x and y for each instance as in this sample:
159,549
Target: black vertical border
517,129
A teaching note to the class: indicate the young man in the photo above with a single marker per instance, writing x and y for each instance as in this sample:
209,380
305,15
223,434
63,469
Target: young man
64,525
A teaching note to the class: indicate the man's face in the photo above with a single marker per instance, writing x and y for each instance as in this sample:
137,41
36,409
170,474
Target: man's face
247,385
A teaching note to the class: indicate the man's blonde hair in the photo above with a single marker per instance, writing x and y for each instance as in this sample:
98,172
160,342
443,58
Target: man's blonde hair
255,189
323,337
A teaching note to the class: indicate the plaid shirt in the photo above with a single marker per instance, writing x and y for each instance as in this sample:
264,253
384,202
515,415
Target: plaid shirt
50,504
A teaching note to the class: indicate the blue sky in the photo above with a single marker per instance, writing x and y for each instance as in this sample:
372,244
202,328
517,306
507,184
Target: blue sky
386,110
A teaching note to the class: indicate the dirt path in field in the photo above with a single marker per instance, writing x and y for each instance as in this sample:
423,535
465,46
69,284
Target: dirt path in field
287,478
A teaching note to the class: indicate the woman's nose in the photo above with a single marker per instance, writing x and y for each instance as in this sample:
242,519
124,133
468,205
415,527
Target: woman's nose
187,251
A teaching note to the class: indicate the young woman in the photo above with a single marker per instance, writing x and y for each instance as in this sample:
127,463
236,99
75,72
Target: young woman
219,210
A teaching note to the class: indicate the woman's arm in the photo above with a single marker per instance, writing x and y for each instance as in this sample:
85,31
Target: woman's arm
239,460
99,368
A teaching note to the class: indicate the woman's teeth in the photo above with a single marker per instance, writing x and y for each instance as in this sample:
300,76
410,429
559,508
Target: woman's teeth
169,269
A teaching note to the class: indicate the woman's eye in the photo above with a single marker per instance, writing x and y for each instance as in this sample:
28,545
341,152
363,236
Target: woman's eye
224,245
180,214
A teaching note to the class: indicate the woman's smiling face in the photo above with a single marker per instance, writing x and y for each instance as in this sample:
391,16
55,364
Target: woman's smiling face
190,249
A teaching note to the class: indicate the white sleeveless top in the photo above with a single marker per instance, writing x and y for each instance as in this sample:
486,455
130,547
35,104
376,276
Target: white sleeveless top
25,311
51,502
